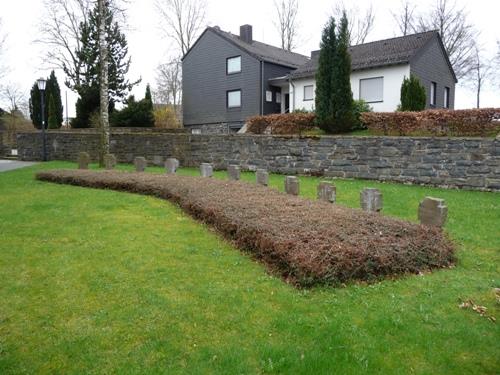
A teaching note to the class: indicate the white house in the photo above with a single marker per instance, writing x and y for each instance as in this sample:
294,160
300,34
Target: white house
378,70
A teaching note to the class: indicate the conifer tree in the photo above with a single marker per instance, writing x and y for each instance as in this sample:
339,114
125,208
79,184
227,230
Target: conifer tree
324,76
413,97
342,104
148,98
52,90
53,121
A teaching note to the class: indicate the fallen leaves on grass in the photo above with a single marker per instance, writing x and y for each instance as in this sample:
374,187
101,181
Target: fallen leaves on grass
481,310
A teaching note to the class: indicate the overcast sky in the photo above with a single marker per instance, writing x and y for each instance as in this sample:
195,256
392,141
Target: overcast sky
148,47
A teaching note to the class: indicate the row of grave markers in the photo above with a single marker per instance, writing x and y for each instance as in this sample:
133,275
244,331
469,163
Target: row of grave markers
431,211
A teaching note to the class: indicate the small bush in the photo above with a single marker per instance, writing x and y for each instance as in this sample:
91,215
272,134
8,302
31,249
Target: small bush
285,123
135,114
360,106
435,122
166,117
302,240
413,95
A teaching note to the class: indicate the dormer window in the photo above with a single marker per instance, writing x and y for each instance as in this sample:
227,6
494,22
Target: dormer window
233,65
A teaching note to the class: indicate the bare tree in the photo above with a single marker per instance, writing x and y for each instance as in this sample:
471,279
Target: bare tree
60,30
360,22
14,98
169,83
287,24
3,38
182,20
103,79
480,73
458,34
405,18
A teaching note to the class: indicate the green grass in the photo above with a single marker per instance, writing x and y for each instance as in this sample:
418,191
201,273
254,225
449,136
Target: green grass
96,281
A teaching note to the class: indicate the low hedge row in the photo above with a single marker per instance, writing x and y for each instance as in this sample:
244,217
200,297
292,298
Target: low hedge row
436,122
307,242
279,124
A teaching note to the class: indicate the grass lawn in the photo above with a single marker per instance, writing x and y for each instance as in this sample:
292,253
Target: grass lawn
96,281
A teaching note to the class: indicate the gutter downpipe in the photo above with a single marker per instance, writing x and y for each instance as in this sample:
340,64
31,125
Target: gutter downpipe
262,88
293,94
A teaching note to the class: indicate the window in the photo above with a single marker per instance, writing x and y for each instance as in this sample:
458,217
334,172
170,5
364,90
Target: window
371,90
309,92
433,94
195,131
233,65
269,96
234,99
446,97
278,97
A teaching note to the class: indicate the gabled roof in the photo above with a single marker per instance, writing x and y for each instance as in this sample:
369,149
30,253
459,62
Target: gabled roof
259,50
394,51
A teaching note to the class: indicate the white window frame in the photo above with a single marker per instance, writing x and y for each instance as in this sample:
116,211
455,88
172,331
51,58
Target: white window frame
446,103
432,96
373,100
229,72
278,97
312,93
195,131
228,93
269,96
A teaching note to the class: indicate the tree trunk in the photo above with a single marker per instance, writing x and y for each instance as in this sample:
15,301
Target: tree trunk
104,99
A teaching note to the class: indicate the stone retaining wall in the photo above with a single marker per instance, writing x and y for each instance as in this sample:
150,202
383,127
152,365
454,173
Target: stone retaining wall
470,163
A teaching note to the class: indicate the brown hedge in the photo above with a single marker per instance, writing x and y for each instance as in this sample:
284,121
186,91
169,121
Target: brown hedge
287,123
436,122
307,242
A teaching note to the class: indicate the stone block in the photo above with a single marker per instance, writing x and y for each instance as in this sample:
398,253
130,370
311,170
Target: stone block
292,185
83,160
371,200
233,172
171,165
327,192
432,212
262,177
109,161
206,170
140,163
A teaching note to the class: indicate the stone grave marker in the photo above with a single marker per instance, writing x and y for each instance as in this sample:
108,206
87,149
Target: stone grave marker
109,161
140,163
83,160
327,192
206,170
233,172
432,212
171,165
292,185
371,200
262,177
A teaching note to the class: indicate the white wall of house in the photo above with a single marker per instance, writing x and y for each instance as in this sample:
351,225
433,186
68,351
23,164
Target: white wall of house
383,85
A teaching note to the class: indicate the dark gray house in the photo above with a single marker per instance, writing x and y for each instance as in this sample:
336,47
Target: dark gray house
228,78
225,79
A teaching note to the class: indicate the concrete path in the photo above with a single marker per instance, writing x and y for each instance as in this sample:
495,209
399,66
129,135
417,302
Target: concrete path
8,165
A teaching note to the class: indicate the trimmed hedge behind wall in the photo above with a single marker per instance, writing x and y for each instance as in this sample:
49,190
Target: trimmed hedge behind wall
470,163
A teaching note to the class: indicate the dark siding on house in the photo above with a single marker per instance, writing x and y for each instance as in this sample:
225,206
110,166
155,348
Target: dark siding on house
205,83
273,71
430,65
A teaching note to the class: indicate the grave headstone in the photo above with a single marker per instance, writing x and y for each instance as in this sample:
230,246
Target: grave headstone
327,192
206,170
371,200
109,161
233,172
262,177
432,212
171,165
83,160
292,185
140,163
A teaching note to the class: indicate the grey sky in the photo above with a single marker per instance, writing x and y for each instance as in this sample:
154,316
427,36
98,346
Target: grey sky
148,47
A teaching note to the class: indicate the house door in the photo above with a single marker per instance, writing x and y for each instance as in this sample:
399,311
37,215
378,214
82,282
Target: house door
287,103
